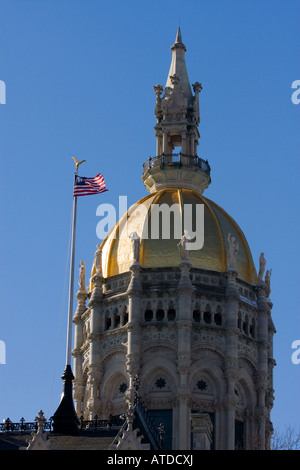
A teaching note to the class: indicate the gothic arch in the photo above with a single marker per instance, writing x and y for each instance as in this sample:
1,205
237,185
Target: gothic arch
213,349
247,364
159,343
155,368
86,394
112,368
214,374
111,385
245,387
118,349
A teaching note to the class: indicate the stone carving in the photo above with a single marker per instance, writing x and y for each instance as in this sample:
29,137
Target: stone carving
233,248
174,104
136,246
98,260
268,282
182,246
197,87
158,89
81,281
40,439
262,266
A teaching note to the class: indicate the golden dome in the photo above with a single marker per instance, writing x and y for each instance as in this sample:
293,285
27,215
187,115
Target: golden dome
161,253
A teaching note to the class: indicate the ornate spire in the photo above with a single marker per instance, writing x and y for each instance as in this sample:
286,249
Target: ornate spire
177,118
178,39
178,68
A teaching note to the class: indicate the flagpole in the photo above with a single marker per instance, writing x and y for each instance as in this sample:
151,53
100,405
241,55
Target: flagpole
65,420
71,282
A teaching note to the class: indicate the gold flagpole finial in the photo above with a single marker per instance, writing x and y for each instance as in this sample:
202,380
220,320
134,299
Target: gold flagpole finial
77,163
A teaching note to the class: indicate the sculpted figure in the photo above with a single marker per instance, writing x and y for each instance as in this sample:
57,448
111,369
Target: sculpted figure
81,281
136,246
182,246
262,266
98,260
268,282
158,91
233,248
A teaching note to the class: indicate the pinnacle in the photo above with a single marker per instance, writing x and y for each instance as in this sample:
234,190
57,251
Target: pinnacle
178,39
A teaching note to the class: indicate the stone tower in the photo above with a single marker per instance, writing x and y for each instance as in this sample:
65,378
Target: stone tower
190,319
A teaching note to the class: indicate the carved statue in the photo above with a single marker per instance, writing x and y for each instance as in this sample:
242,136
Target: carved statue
81,281
268,282
182,246
158,89
175,79
136,246
197,87
98,260
262,266
233,248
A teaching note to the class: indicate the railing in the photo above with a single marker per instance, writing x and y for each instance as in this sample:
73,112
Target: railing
153,433
177,159
23,426
87,425
96,423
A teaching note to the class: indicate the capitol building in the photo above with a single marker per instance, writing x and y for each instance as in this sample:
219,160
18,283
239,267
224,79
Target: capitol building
176,322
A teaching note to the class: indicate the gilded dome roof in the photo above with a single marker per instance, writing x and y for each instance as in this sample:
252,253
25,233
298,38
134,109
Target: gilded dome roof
162,252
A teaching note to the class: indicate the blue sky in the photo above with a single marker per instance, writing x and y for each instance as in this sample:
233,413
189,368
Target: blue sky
79,81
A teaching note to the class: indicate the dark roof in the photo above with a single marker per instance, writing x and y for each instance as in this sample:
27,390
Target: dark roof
85,440
14,440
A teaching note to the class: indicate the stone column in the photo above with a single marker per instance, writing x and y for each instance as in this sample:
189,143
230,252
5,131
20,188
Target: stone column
231,359
78,385
95,366
134,335
165,141
184,324
183,143
261,379
202,431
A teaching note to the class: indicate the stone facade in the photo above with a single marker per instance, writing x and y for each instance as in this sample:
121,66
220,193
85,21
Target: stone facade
199,340
202,344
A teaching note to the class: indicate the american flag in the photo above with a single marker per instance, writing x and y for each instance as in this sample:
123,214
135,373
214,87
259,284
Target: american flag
85,186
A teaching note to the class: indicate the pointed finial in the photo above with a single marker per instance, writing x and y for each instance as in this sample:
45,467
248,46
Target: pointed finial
178,39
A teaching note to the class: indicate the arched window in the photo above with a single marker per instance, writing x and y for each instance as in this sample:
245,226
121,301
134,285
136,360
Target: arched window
160,312
125,315
245,325
239,321
148,312
252,328
116,318
196,313
108,323
148,315
207,315
171,312
218,316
